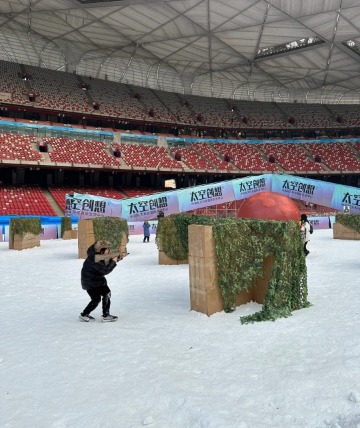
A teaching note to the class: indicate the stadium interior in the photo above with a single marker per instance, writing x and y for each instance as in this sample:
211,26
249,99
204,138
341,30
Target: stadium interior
96,99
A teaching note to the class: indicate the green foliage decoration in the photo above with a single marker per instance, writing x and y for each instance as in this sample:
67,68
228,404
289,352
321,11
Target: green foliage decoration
241,246
172,233
22,225
352,221
66,224
111,229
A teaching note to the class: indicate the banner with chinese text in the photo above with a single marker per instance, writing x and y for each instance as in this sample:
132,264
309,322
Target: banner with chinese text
304,189
248,186
90,206
320,222
346,198
147,207
197,197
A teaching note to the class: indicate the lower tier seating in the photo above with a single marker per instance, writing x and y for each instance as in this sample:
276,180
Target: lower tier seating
24,200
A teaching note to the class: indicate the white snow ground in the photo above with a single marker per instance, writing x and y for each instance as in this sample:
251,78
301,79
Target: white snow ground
164,366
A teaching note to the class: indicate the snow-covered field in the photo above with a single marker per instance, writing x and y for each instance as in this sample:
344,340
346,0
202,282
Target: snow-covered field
164,366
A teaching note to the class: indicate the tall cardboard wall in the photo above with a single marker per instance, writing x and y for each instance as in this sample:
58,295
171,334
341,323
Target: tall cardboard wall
342,232
86,237
205,295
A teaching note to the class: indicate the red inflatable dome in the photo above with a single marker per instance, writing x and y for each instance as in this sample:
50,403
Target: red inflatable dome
269,206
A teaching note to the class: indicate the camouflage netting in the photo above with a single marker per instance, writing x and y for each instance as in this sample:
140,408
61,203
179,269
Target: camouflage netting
241,246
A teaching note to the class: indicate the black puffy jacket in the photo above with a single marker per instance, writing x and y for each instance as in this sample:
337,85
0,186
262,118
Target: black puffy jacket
93,274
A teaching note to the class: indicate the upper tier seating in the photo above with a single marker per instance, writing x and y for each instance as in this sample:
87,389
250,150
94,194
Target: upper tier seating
309,115
154,106
256,114
80,152
58,90
116,99
346,115
211,111
59,193
64,92
180,111
291,157
12,87
337,156
18,147
24,200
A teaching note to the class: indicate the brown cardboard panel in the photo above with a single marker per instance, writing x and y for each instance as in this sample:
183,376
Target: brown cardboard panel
27,241
67,235
86,237
203,272
82,249
11,242
82,253
205,295
90,237
165,260
342,232
123,251
206,302
201,241
85,224
198,300
214,302
244,297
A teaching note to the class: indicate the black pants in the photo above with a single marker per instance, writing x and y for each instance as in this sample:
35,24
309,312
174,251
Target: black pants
96,294
146,238
306,251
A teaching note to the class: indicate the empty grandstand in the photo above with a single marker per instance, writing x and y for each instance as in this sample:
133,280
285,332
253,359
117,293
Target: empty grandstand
257,87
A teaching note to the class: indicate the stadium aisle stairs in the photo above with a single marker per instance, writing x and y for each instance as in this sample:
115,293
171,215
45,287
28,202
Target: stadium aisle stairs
59,212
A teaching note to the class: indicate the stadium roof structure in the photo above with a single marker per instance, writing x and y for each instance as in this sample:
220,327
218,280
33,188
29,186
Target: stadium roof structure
275,50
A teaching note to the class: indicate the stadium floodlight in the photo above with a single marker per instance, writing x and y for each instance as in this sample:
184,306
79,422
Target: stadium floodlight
350,44
288,47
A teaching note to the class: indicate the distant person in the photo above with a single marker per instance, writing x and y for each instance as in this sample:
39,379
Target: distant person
305,232
146,227
94,282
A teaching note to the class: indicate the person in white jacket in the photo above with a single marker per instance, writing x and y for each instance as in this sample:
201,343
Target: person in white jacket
305,232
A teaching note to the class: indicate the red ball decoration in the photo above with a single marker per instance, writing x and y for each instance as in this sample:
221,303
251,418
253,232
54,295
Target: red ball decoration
269,206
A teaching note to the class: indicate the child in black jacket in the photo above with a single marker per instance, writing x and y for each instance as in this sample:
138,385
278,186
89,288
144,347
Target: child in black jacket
94,282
